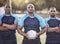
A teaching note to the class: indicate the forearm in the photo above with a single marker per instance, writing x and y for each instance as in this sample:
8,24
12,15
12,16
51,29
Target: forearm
19,29
3,28
11,27
43,30
52,29
21,32
58,30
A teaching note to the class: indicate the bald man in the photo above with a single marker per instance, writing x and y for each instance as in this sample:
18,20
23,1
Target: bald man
31,21
53,33
8,25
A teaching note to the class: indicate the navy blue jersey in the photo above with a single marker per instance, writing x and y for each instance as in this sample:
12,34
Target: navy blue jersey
8,36
32,23
53,36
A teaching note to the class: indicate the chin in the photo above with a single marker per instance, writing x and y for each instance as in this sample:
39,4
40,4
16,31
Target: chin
31,12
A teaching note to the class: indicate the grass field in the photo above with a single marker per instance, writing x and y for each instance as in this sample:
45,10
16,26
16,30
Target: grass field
20,38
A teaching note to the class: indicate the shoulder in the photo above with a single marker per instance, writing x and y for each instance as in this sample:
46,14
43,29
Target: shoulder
58,19
1,15
47,19
24,16
14,15
38,17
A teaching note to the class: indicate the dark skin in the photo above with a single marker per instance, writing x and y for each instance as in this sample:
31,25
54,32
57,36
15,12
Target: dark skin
55,29
50,29
4,26
25,34
31,13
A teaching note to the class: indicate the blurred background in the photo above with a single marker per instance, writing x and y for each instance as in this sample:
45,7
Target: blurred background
42,6
19,9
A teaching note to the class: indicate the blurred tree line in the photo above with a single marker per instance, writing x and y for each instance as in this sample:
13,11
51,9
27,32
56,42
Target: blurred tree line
55,3
3,2
39,4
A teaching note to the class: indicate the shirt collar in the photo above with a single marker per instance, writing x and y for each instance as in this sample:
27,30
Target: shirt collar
7,14
53,18
31,16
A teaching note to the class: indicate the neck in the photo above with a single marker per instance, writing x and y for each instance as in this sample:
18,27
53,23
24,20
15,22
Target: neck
7,13
53,17
31,14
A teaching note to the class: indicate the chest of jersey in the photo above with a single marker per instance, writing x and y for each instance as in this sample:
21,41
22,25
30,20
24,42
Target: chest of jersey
53,22
8,19
31,24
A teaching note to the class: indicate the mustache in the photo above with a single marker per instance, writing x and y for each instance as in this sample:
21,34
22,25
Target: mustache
53,15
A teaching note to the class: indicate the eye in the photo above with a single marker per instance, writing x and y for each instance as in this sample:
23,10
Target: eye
28,7
52,10
7,7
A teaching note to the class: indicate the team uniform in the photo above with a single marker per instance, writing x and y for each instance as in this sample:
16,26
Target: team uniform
31,23
53,37
8,36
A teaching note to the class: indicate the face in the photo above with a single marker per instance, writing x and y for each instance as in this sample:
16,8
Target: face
30,8
7,9
52,13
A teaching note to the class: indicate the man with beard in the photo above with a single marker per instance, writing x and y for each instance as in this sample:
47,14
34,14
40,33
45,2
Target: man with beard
31,21
53,32
8,25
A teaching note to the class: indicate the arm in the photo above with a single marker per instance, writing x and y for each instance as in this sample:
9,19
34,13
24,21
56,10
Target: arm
50,29
20,31
42,25
58,30
11,27
44,29
2,28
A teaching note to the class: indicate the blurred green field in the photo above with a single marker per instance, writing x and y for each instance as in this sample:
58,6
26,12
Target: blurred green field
20,38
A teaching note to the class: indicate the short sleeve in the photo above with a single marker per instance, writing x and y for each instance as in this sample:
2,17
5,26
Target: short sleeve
16,19
46,21
21,21
1,18
41,20
59,21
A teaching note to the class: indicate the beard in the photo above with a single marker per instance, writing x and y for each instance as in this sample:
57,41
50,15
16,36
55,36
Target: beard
30,12
52,15
7,12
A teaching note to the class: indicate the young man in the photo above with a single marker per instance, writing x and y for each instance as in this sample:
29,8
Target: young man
31,21
53,33
8,25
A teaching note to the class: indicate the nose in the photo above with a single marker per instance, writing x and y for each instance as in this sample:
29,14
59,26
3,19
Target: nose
30,8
